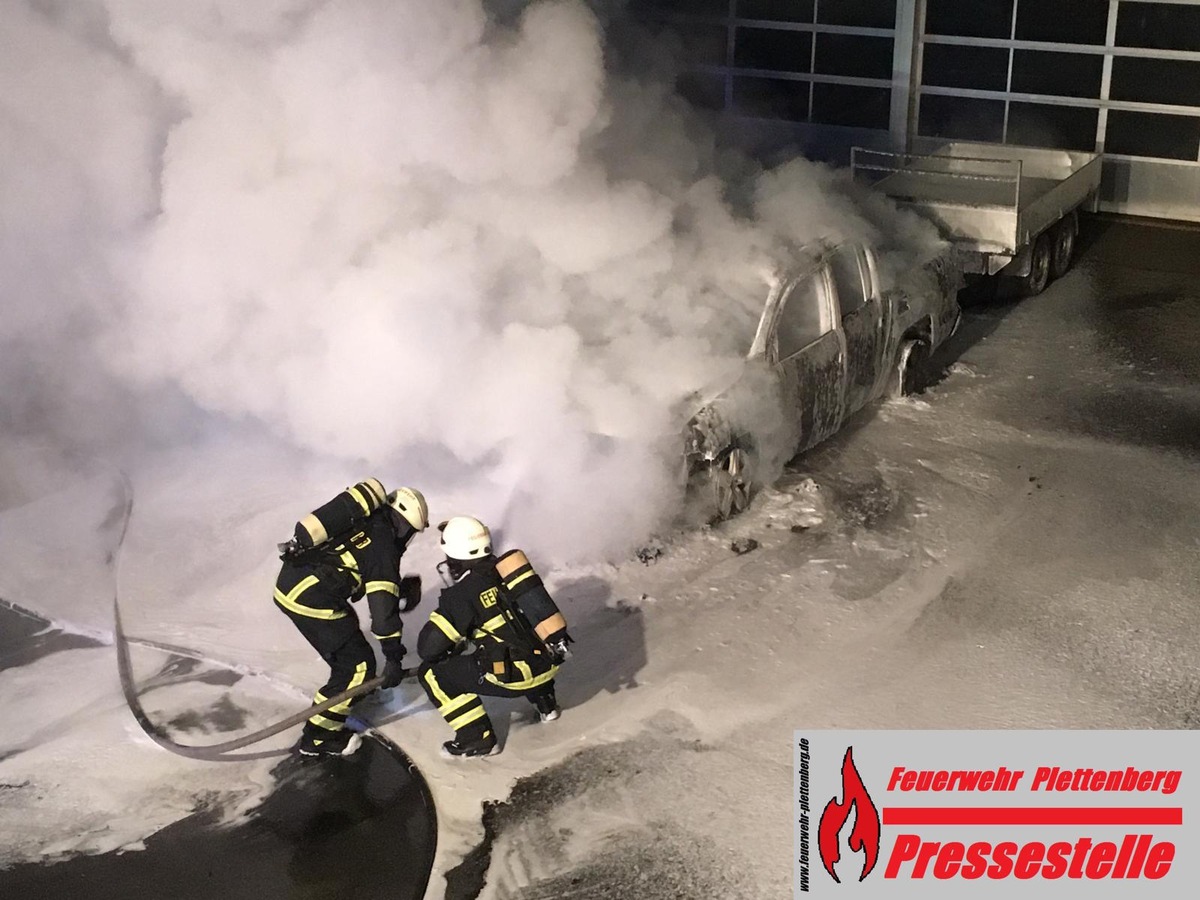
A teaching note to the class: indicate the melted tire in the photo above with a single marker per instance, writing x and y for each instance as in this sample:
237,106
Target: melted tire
910,374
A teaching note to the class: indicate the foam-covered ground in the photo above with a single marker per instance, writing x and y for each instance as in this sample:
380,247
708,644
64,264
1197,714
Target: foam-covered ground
1016,548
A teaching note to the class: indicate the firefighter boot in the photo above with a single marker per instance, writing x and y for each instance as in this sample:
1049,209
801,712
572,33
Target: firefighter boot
547,706
329,743
462,747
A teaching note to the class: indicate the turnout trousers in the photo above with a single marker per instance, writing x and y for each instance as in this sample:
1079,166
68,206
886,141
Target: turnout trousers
453,685
351,662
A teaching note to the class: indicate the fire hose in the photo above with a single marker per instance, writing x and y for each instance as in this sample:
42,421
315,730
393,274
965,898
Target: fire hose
211,752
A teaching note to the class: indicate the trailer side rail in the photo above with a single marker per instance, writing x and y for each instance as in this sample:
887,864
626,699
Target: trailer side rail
975,201
917,177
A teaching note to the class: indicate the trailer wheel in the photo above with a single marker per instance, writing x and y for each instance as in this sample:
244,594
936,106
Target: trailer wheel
1039,268
910,371
1064,246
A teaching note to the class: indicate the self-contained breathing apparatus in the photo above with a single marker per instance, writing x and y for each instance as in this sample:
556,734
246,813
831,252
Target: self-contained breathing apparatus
536,619
523,588
318,534
330,524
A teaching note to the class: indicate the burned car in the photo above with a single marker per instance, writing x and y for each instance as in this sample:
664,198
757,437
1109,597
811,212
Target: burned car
832,338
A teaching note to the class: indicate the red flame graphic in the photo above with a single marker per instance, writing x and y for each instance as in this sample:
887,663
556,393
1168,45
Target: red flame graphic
864,837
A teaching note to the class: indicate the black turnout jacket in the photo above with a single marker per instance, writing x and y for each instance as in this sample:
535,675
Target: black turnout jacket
476,609
324,581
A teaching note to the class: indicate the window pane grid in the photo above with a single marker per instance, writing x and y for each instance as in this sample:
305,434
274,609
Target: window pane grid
1049,89
1058,100
876,13
1096,49
1139,99
776,10
776,25
772,49
815,77
1164,26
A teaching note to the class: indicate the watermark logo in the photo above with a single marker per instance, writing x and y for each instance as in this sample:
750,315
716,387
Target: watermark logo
1071,814
864,836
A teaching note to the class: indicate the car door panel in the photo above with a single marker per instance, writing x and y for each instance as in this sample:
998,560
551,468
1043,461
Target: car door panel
817,370
863,325
811,359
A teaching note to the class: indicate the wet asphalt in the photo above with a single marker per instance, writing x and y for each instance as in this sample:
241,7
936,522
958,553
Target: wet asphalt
361,827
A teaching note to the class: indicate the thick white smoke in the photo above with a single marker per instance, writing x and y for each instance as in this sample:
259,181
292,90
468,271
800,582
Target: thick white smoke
389,231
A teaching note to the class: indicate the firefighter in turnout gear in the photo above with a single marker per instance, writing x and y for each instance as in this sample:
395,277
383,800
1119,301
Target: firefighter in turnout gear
500,606
326,567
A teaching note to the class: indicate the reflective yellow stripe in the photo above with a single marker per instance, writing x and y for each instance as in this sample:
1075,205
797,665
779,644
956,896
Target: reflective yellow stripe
442,696
351,565
467,718
511,562
512,584
362,501
448,708
288,602
445,702
444,625
487,629
360,675
530,681
325,723
384,637
390,586
493,623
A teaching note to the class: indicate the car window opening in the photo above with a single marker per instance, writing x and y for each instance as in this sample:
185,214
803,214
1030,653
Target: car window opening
848,277
803,319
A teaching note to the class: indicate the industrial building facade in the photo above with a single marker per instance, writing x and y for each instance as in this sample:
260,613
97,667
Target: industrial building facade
1118,77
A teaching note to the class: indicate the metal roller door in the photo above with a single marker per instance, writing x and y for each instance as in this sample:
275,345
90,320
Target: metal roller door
1121,77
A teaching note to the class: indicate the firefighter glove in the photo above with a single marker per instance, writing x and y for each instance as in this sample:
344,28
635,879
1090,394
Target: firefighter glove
410,592
393,673
393,650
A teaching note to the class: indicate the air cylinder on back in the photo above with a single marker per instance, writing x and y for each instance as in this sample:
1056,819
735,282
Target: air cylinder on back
524,587
341,513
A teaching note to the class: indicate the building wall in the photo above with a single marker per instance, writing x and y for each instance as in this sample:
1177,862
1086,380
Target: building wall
817,73
1118,77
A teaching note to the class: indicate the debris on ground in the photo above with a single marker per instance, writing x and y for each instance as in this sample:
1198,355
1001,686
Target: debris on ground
743,545
650,553
629,605
795,504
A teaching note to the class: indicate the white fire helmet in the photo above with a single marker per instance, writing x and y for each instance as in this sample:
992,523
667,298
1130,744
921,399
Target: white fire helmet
465,538
410,503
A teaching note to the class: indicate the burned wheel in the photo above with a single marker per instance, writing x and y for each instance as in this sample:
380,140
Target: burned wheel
910,374
730,484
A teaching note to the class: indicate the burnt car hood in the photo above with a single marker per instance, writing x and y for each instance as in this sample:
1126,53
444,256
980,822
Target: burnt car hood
722,415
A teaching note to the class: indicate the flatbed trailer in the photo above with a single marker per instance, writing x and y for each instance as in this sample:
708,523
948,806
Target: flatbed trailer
1013,209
